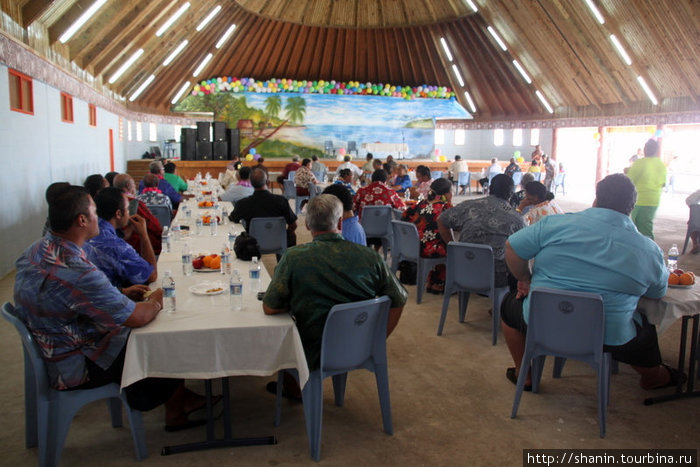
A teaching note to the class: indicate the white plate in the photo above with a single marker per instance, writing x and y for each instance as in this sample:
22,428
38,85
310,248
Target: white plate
208,288
207,270
679,286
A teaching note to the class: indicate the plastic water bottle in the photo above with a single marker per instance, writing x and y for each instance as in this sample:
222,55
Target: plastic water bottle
188,212
198,225
168,292
175,232
254,275
225,259
186,260
165,240
231,239
407,194
224,213
672,261
236,291
213,224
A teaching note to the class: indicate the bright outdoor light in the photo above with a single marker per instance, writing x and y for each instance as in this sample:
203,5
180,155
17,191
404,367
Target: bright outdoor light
595,11
210,16
175,52
496,37
458,75
522,71
228,32
470,101
65,37
544,102
202,65
447,50
621,50
647,89
179,94
471,5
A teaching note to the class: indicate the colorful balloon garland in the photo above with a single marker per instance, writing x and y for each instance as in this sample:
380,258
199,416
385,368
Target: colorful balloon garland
229,84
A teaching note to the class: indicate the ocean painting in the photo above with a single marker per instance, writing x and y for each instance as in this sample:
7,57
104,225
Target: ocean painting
282,124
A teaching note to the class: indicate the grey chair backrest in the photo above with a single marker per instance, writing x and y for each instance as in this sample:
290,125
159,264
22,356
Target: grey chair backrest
406,245
271,234
435,174
470,266
290,191
162,213
517,177
291,175
463,178
376,220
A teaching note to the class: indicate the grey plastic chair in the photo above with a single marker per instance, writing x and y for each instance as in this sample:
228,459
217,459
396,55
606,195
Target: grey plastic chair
406,247
464,181
517,178
559,182
376,220
470,268
49,413
162,213
693,226
290,192
354,337
271,234
567,325
435,174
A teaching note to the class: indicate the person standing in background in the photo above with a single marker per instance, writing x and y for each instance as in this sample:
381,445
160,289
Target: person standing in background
649,176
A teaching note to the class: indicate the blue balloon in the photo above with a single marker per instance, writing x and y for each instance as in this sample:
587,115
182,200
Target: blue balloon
252,151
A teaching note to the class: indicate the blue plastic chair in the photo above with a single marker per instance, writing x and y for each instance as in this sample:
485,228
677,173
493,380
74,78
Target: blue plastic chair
435,174
162,213
291,175
406,247
49,412
290,192
271,234
464,181
376,220
354,337
559,182
320,176
517,178
567,325
470,268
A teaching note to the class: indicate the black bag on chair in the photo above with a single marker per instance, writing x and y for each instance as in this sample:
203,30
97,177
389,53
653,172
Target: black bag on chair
246,246
408,272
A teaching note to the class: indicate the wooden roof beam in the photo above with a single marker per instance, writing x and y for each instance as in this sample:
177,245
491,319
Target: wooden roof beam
33,9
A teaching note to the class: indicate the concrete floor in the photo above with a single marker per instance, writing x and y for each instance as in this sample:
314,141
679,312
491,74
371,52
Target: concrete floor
451,401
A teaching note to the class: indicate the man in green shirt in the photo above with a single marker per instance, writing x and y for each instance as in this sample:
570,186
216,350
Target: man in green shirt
175,180
312,277
649,176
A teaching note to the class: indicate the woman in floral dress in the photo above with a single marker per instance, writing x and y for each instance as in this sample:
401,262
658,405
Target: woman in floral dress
424,215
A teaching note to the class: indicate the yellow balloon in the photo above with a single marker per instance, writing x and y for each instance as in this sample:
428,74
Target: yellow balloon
249,157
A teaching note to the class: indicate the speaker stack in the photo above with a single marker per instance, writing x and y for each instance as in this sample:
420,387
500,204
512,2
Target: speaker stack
233,135
196,143
188,140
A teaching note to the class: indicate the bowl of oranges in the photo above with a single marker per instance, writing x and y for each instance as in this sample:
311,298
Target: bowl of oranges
205,204
679,278
207,263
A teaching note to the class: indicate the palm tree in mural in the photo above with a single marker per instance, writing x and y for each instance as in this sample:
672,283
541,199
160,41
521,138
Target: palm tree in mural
296,109
273,105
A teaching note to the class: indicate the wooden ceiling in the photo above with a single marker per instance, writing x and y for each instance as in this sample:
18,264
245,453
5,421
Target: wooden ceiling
567,54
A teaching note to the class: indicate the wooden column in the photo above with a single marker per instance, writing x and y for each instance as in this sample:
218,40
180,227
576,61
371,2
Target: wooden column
601,164
555,136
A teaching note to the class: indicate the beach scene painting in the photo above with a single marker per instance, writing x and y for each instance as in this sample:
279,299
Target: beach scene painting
328,125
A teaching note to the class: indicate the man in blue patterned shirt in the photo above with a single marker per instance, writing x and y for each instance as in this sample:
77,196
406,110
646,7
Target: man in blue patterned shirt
110,252
79,320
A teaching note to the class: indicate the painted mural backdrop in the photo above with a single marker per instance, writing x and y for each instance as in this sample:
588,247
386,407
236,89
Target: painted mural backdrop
304,124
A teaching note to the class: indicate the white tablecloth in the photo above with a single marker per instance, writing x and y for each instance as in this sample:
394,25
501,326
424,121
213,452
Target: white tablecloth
205,338
677,303
388,148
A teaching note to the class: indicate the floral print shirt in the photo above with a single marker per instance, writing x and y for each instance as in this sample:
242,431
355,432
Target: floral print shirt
538,211
376,194
425,215
304,177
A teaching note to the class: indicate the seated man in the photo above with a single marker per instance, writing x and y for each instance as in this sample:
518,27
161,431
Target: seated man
173,178
151,194
262,203
79,320
94,183
291,167
596,250
491,171
318,168
367,168
125,183
352,231
376,193
356,171
488,221
156,168
240,190
313,277
456,167
113,256
345,179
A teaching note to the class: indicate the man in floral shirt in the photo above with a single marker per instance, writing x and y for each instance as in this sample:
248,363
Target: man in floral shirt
377,193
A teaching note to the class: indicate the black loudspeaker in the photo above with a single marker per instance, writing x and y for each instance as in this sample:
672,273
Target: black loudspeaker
233,136
219,131
203,129
220,150
203,151
188,140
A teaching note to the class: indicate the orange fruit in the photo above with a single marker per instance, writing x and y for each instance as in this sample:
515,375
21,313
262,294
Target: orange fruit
215,262
673,278
687,279
207,261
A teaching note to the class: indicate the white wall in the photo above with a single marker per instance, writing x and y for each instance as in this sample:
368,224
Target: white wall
37,150
478,145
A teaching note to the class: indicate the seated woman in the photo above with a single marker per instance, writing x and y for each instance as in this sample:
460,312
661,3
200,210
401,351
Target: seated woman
424,215
540,201
694,198
304,177
519,195
345,179
151,194
402,181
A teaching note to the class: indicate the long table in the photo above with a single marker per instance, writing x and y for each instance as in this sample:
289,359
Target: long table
205,338
683,304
